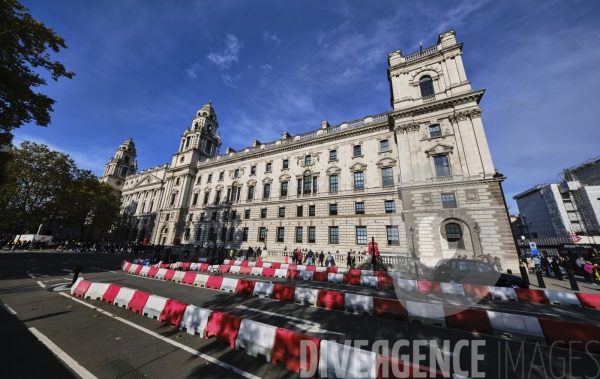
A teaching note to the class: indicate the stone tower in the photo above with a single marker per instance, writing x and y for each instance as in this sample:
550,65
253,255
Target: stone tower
121,165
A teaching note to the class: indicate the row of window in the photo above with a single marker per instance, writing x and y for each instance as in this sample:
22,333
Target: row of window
333,237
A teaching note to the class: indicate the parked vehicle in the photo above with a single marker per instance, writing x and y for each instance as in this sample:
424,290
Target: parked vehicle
468,271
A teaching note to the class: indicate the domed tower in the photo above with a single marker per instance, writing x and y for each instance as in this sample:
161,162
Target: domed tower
200,140
121,165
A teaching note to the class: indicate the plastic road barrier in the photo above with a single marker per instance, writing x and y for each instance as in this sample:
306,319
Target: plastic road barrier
306,296
353,280
185,265
311,268
571,335
532,296
214,268
367,273
230,262
408,285
189,278
306,275
589,300
154,306
381,274
355,271
360,363
480,292
201,280
293,274
246,270
276,265
132,268
203,267
284,266
516,327
268,272
253,264
111,293
503,293
427,314
335,278
427,286
469,320
161,273
244,263
245,287
224,268
394,274
144,270
332,270
235,269
229,284
341,270
301,267
195,266
263,289
178,277
568,299
283,293
214,282
320,276
96,291
195,320
152,272
224,327
138,269
138,301
358,304
369,281
173,312
281,273
124,297
385,283
292,266
256,271
256,338
80,287
287,349
169,275
452,289
127,266
330,299
266,264
321,269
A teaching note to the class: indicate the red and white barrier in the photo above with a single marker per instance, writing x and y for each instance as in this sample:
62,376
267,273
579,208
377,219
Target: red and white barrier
256,338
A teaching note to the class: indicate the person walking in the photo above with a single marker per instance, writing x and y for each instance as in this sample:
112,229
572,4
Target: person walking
310,257
330,261
321,258
546,266
498,263
348,260
588,269
538,263
556,269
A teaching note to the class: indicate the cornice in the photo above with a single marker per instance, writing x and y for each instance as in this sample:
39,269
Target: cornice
438,105
462,183
443,53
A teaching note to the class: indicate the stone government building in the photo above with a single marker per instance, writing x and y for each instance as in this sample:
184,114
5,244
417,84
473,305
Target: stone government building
418,178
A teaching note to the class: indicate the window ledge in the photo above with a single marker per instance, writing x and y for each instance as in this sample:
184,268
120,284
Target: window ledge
285,169
385,152
333,161
252,175
357,156
425,138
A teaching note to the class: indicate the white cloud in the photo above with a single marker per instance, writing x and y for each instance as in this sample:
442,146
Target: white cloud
229,54
271,38
229,81
267,67
193,71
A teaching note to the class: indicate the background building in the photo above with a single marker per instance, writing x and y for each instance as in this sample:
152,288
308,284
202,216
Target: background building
418,179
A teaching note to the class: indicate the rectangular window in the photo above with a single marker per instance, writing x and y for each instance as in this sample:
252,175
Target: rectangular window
359,208
284,188
359,181
245,235
237,173
212,236
361,235
250,192
384,145
333,210
233,215
218,197
333,183
221,176
390,206
312,233
267,191
209,178
307,160
263,213
269,167
167,216
392,236
187,233
262,232
307,184
311,210
435,131
448,200
299,234
173,196
285,163
228,194
333,155
334,237
234,192
441,165
213,217
357,150
299,210
386,177
206,197
195,200
223,233
315,181
199,180
280,234
299,186
191,217
253,170
225,215
231,232
247,214
282,212
198,234
202,216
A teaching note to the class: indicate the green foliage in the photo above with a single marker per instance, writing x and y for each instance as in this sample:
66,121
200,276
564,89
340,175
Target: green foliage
45,186
23,51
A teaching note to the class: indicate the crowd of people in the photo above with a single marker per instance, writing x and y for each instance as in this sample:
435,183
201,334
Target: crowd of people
310,258
560,268
485,258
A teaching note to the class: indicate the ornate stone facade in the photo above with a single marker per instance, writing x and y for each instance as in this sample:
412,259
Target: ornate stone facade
419,178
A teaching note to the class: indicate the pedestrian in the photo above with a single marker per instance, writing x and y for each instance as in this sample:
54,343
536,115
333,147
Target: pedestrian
538,263
353,264
588,269
556,268
309,257
321,258
546,266
285,258
299,257
498,263
330,261
348,260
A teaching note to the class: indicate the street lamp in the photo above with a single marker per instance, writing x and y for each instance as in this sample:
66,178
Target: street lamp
266,230
526,226
412,238
477,229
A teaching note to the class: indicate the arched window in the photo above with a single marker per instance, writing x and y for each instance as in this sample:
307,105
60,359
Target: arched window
426,86
453,232
166,230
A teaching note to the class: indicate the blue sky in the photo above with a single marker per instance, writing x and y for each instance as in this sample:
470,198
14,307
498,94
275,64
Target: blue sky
144,67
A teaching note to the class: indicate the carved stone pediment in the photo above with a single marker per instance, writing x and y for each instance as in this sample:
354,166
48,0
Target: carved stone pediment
408,127
267,180
251,182
284,178
219,187
439,148
333,170
358,167
386,162
207,189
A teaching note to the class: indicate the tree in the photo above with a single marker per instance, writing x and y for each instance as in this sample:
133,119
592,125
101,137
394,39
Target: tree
24,42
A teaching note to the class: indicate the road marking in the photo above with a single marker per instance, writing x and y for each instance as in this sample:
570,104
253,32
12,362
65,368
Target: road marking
8,309
41,284
165,339
101,269
85,374
31,276
307,325
64,269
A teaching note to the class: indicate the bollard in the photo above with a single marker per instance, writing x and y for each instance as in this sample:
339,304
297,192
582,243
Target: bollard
540,279
572,280
523,270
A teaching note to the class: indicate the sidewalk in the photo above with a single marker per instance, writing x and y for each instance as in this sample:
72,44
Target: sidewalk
564,285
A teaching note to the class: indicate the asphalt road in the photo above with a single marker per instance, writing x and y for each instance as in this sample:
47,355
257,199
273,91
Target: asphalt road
121,344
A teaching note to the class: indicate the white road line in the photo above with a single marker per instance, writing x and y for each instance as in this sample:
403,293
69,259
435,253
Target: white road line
70,279
85,374
8,309
31,276
101,269
41,284
165,339
64,269
307,325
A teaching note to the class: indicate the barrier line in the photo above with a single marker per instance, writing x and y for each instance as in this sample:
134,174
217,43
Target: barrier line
8,309
80,370
41,284
165,339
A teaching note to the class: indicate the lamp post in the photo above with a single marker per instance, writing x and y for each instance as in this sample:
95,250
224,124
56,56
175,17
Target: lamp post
477,229
526,226
412,238
266,230
499,178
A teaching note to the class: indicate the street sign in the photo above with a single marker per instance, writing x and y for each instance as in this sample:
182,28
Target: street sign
370,245
574,238
533,247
